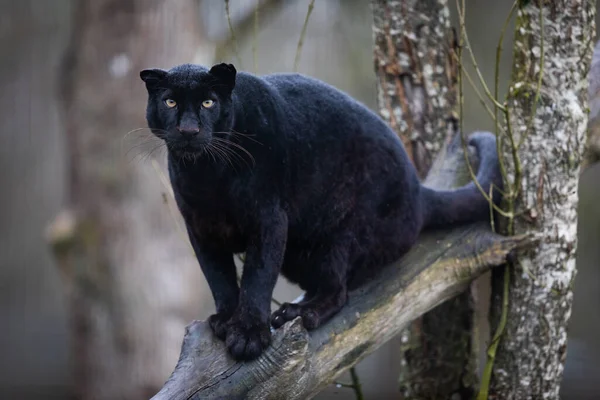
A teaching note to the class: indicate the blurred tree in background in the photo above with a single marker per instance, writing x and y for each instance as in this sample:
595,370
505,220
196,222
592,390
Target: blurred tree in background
132,282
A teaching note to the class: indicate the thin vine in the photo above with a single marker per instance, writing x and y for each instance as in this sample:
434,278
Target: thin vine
496,91
311,5
232,34
355,385
512,190
255,40
462,72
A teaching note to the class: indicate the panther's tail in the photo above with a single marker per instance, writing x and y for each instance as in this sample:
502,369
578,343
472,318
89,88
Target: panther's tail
466,204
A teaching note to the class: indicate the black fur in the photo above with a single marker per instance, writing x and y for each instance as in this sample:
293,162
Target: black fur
304,179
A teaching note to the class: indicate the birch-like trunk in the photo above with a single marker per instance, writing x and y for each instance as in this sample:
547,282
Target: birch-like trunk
559,37
132,281
417,68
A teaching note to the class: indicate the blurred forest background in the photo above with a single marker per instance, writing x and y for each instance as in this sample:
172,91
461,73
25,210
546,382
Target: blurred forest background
65,73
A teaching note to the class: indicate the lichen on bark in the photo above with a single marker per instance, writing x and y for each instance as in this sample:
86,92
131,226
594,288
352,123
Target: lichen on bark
416,73
556,43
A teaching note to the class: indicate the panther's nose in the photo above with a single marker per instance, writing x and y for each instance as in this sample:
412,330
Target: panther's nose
188,131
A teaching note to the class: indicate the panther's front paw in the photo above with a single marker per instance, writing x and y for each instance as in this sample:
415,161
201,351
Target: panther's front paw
247,338
290,311
218,324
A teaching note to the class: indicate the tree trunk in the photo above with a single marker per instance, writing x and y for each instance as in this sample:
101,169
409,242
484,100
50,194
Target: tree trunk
132,281
417,69
559,37
417,74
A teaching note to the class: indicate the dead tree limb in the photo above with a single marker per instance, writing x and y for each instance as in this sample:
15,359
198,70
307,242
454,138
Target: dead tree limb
299,364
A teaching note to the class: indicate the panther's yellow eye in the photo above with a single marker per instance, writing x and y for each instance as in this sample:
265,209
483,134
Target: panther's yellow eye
170,103
207,103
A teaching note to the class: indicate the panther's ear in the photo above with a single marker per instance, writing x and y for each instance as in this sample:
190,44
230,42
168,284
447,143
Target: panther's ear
152,77
225,74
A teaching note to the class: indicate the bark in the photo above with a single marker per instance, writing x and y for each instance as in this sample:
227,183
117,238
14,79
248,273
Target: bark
298,365
130,276
530,358
415,61
416,74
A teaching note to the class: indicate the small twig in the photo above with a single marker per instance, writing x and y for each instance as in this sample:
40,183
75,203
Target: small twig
276,302
344,385
496,94
302,34
243,27
461,14
491,353
477,92
461,72
461,95
255,39
232,34
493,223
355,385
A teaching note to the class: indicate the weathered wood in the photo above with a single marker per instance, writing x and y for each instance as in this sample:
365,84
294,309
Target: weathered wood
299,364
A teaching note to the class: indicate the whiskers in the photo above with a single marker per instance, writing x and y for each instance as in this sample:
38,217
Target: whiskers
230,152
240,135
142,144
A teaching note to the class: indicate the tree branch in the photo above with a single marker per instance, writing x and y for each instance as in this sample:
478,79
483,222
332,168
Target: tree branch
299,364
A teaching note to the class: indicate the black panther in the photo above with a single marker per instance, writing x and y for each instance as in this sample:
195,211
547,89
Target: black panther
304,179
